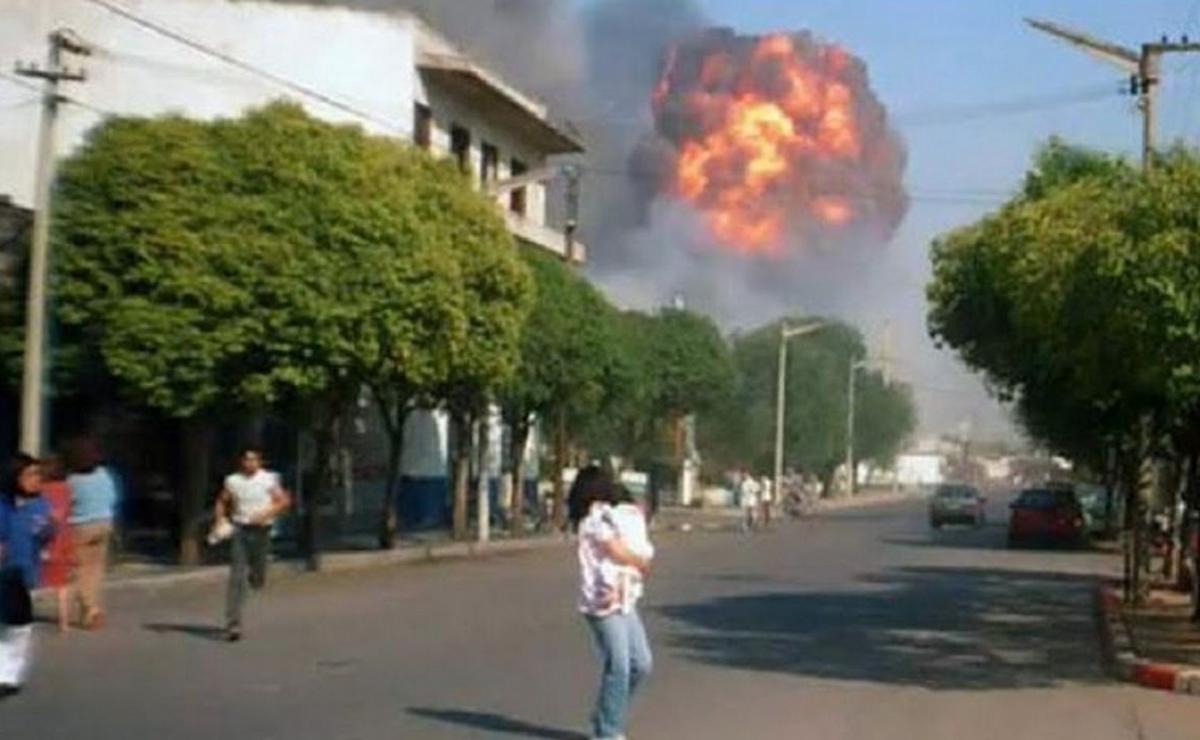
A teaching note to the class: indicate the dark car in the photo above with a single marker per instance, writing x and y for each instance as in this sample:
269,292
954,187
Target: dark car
1048,516
956,504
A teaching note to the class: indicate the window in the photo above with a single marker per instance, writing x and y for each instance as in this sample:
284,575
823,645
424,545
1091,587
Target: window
422,126
489,170
460,146
516,198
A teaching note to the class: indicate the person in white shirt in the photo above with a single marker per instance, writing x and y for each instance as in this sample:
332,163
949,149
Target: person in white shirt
246,508
629,518
613,619
748,490
765,500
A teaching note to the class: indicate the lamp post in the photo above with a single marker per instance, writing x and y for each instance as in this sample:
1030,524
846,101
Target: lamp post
855,366
785,333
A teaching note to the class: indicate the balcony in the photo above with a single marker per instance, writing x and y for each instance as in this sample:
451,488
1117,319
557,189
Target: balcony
544,237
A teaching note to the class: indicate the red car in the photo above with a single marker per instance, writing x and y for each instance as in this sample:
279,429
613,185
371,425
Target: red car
1051,516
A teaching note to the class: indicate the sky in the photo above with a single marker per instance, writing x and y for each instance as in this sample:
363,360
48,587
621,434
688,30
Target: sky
931,62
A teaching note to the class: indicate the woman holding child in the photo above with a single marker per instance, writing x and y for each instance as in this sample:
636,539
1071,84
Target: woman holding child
614,557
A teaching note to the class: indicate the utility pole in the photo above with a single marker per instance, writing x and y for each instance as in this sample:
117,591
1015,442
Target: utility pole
855,366
1144,67
785,333
62,41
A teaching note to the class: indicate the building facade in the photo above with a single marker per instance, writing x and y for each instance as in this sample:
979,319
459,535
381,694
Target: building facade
388,72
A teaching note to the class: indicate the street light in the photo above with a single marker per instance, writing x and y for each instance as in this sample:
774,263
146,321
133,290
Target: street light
785,333
855,366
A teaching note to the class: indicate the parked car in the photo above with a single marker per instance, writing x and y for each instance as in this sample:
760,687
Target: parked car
1050,516
956,504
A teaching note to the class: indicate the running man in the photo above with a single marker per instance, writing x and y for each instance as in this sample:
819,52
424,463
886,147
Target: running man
250,500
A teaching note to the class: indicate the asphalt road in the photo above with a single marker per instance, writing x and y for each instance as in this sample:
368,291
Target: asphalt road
862,624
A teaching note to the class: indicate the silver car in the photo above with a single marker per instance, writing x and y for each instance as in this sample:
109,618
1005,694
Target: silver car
956,503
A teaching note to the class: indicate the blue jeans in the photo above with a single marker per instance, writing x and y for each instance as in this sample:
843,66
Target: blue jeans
625,652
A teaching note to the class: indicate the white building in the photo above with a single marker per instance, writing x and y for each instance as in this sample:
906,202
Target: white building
917,469
390,73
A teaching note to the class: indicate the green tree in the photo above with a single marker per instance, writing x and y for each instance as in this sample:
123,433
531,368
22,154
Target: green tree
276,261
815,423
567,356
1078,300
497,295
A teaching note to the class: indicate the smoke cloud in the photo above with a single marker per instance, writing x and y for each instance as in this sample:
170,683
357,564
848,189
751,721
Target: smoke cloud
779,140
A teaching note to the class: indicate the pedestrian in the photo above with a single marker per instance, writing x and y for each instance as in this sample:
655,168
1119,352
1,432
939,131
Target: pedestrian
59,559
250,501
766,500
629,518
93,510
618,634
748,498
26,525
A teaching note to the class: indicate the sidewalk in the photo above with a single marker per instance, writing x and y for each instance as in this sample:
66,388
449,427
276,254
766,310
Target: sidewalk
438,546
1155,645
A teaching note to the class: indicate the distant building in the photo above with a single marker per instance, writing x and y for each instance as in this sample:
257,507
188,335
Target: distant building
915,469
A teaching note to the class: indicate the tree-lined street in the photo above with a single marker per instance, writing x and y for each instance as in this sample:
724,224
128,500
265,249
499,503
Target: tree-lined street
859,624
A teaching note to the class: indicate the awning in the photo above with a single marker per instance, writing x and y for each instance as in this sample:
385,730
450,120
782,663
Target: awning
507,106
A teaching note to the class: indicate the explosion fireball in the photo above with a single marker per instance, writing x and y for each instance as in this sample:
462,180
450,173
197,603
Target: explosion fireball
778,140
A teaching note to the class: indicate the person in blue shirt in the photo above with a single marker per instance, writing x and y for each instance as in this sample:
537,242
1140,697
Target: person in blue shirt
26,525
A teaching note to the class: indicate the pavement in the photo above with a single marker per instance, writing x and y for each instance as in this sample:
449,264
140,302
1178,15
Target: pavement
1156,644
857,624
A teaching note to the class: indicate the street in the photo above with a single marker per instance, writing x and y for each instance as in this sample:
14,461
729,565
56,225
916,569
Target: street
859,624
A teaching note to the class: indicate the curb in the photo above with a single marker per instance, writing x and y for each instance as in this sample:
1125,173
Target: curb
1118,639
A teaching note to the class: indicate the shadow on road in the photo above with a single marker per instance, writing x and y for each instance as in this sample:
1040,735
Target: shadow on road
933,627
495,723
202,631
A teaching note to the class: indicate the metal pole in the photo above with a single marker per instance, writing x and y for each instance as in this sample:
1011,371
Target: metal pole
1148,67
32,427
780,401
850,431
34,432
483,439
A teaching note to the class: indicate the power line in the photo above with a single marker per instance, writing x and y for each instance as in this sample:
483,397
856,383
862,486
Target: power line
965,196
16,104
1017,106
207,50
64,98
19,82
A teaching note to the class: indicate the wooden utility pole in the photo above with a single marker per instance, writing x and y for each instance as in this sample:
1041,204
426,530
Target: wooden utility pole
33,428
1144,68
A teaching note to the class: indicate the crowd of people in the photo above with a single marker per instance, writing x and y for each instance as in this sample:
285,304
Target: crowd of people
56,524
56,521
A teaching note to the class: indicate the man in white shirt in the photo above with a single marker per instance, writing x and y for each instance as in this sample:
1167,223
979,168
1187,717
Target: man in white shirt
250,499
748,490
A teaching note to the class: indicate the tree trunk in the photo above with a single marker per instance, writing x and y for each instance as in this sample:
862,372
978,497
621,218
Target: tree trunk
389,521
198,437
461,472
483,501
1170,565
518,438
827,476
1110,484
324,441
559,514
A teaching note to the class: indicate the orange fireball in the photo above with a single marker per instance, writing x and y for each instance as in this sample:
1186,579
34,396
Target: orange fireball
776,137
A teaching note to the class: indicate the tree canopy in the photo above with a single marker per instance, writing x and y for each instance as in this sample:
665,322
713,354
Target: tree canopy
816,393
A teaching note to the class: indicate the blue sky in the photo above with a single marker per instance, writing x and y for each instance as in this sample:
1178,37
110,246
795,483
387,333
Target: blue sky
927,56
